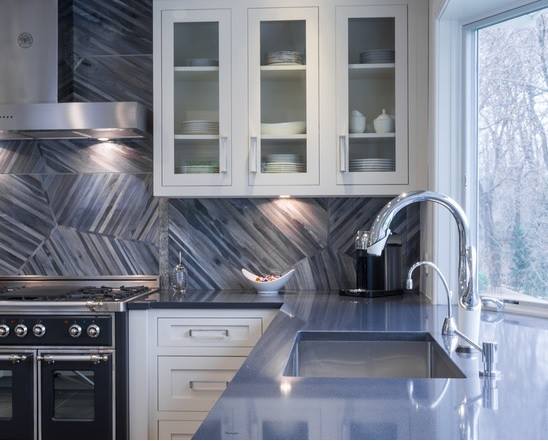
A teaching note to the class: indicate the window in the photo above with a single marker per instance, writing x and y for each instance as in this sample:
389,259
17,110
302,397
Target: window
512,156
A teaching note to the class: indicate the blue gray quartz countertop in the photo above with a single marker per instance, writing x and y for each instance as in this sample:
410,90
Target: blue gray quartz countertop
260,402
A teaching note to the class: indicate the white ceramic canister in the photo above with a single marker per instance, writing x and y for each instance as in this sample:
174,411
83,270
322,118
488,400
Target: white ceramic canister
384,123
357,122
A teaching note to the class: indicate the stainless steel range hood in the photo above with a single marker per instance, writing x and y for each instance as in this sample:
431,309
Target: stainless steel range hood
29,82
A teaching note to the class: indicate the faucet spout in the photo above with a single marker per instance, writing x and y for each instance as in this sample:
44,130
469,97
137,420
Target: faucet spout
380,230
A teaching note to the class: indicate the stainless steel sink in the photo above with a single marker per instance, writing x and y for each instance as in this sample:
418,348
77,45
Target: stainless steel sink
369,355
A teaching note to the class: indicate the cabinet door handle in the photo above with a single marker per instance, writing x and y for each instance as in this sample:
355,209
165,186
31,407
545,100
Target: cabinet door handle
253,146
343,153
223,154
14,358
208,333
208,384
92,358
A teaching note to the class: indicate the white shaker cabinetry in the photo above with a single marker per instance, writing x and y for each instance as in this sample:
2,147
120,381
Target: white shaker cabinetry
181,360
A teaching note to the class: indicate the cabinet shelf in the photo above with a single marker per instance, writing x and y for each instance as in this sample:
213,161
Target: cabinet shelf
183,137
371,135
283,72
196,73
283,137
371,71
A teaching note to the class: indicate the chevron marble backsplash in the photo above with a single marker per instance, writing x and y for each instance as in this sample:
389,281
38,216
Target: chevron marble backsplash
84,208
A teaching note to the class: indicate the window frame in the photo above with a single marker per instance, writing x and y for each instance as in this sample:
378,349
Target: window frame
469,130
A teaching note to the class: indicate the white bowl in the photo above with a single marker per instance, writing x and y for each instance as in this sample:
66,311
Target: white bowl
285,128
267,287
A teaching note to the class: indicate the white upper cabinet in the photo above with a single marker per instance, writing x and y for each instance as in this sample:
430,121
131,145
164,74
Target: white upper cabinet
196,89
297,97
283,96
371,83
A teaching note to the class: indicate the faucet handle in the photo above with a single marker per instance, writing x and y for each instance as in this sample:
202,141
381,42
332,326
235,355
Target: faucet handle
489,358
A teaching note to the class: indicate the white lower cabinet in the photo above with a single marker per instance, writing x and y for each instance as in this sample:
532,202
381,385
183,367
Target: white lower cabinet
181,361
194,383
177,429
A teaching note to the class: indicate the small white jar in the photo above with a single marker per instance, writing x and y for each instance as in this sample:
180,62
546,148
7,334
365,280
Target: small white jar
383,123
357,122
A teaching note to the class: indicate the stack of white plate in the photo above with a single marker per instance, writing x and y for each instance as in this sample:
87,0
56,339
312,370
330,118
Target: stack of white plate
285,57
197,168
372,165
200,127
284,163
377,56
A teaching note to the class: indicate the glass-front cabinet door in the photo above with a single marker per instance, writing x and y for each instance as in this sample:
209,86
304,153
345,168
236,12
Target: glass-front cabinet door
371,84
196,83
283,96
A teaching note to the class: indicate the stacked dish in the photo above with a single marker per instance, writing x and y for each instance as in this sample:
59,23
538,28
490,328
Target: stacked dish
284,163
197,167
372,165
284,128
284,57
201,62
200,127
374,56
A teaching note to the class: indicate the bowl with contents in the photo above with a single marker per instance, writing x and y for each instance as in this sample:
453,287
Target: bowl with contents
269,283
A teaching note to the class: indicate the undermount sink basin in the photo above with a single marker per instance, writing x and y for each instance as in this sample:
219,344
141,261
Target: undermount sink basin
369,355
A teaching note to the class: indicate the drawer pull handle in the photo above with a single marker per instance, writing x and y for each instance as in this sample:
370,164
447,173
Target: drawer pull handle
208,333
208,384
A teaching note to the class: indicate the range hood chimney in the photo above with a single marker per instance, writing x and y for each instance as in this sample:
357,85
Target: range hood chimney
29,83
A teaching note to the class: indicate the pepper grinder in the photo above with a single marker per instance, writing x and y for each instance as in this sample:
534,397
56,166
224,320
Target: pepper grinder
179,276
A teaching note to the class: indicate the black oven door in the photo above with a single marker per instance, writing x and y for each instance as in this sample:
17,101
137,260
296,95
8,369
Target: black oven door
17,395
76,399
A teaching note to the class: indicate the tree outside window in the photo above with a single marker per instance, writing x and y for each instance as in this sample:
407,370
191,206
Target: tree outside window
513,158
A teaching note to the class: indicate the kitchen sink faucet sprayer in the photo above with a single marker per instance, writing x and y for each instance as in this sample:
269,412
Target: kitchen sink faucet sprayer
468,299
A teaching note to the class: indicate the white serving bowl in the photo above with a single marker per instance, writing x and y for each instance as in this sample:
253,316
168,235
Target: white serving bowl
267,287
285,128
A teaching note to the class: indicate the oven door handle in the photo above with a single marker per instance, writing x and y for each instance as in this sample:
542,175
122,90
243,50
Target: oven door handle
14,358
92,358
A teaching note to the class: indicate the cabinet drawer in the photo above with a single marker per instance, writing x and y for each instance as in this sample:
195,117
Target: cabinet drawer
193,332
177,429
193,383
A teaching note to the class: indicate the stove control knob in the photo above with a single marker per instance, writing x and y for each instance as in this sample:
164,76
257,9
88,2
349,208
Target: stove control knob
93,331
4,331
20,330
39,330
75,331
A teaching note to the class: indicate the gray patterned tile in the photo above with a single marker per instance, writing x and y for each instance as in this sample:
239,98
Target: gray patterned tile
324,270
112,27
117,205
69,252
116,78
220,236
25,220
20,157
91,156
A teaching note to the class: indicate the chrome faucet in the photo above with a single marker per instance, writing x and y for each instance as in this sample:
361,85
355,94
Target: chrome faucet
449,324
450,330
380,231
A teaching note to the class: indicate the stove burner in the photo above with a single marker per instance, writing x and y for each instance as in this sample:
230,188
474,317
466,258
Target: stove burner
134,289
88,293
94,290
105,293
